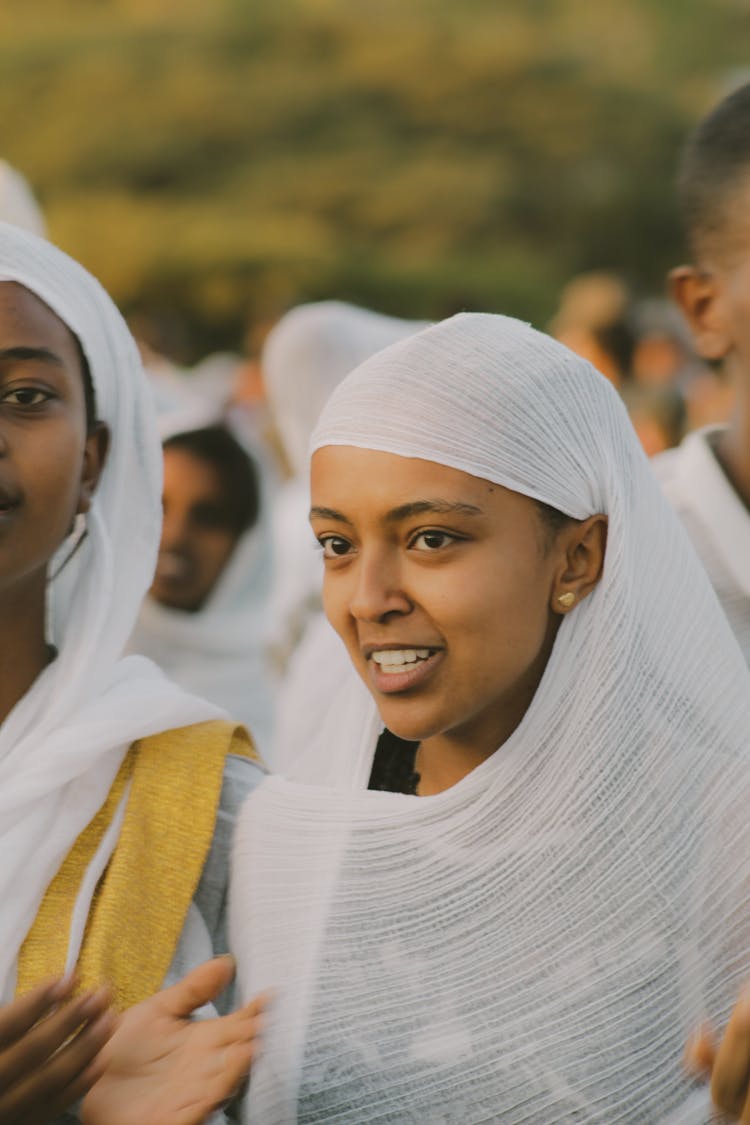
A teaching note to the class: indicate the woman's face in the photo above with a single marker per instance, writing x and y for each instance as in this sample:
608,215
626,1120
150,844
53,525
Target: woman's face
49,464
197,537
440,585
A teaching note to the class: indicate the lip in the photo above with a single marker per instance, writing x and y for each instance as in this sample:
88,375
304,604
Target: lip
415,675
173,567
9,505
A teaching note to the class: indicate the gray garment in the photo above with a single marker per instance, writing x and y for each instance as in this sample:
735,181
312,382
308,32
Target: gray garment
204,934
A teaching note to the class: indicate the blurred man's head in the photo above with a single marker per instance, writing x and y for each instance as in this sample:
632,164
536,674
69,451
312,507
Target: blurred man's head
714,198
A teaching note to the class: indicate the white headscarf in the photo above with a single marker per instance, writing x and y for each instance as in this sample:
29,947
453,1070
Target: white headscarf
61,746
534,943
17,203
308,353
220,651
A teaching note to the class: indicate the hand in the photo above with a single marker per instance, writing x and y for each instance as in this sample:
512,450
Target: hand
162,1068
727,1065
48,1051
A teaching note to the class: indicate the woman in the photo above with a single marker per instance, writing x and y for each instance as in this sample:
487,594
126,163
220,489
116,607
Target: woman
204,621
117,789
515,902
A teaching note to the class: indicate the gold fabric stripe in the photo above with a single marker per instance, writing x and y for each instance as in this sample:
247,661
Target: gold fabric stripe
142,900
45,947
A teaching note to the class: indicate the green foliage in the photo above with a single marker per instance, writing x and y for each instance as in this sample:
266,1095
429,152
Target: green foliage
226,157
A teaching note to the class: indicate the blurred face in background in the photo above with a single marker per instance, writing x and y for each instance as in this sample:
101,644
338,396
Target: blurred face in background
199,532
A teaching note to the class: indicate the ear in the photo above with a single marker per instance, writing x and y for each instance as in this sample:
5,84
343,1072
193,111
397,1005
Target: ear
700,295
583,546
94,457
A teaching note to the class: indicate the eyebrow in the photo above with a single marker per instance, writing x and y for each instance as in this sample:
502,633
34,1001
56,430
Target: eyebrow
407,511
23,353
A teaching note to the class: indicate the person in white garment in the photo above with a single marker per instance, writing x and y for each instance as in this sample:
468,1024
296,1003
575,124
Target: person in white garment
511,875
707,478
205,618
305,356
113,843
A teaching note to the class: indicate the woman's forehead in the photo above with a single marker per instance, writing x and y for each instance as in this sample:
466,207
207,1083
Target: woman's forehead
26,319
348,477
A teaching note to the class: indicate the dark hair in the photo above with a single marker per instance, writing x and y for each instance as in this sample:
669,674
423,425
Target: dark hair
89,394
236,469
553,521
714,162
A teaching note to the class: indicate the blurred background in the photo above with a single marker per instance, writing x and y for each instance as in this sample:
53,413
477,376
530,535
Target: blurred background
218,162
215,162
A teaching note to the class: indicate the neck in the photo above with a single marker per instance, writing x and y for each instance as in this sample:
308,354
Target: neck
23,652
445,759
442,763
734,444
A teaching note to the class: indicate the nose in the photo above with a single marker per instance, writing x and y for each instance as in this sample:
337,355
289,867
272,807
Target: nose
378,590
174,529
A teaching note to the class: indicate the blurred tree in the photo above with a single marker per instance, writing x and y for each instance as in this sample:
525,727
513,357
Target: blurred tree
414,155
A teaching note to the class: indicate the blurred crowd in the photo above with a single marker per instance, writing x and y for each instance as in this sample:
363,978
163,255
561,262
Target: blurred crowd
236,599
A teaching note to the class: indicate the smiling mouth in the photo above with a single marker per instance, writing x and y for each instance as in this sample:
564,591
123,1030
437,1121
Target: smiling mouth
393,661
396,670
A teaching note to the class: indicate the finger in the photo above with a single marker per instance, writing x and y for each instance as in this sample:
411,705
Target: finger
46,1037
230,1030
731,1069
235,1067
20,1015
700,1052
258,1004
198,987
62,1080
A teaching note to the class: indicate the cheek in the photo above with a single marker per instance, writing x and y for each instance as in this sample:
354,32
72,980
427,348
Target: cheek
57,481
498,614
335,605
215,550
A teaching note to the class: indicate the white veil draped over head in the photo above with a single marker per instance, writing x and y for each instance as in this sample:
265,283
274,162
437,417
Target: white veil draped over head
536,942
62,744
220,650
17,203
308,353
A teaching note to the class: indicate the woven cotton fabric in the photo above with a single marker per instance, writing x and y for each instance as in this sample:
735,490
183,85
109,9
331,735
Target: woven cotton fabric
63,743
535,943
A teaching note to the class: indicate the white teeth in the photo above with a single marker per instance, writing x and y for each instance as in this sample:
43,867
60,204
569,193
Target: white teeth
393,660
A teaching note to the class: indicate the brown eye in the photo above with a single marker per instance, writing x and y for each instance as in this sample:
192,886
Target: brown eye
334,546
26,396
432,540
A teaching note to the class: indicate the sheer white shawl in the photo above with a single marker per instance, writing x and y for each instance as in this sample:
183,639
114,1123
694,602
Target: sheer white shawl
63,743
535,943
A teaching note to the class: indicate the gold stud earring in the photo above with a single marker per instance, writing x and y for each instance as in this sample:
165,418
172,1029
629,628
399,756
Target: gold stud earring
566,600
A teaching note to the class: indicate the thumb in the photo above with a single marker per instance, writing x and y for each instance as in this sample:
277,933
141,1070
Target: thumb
198,987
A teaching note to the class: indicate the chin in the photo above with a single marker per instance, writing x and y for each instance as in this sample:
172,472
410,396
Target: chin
412,728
